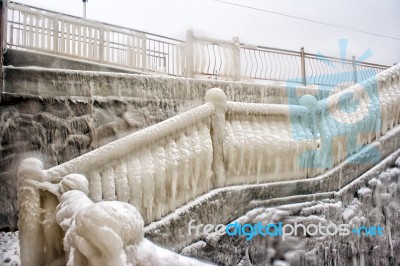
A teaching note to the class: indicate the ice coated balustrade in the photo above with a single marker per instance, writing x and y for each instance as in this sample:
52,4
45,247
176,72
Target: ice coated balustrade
162,167
35,29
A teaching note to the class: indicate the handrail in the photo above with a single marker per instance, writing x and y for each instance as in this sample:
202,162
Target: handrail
131,142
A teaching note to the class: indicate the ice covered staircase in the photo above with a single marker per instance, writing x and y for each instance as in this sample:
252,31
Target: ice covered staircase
224,144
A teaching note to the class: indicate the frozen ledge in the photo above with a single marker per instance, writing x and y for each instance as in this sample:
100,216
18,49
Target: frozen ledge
59,83
224,205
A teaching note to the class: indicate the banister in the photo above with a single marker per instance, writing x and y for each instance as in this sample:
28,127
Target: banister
130,142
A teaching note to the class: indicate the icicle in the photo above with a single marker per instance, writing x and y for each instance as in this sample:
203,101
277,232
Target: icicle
95,188
184,166
172,171
135,183
108,183
160,199
207,158
121,181
195,160
147,182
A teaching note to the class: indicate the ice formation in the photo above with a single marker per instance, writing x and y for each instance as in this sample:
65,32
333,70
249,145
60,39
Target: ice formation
103,233
63,114
376,202
222,143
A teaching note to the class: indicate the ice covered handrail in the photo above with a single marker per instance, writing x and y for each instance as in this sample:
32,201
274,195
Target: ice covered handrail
263,142
61,225
131,142
357,115
266,109
37,29
378,80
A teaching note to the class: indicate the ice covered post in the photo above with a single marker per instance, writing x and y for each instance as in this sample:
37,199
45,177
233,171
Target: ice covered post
310,102
236,59
189,54
3,28
218,98
354,63
31,237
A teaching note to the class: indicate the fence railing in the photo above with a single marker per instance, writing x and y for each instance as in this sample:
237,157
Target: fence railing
46,31
3,25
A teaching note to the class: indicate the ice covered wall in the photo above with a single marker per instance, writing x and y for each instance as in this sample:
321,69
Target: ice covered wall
86,84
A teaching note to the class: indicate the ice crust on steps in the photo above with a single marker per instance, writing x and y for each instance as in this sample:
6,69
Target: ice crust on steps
377,203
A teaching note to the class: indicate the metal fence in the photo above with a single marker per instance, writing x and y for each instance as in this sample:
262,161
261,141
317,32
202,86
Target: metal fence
32,28
50,32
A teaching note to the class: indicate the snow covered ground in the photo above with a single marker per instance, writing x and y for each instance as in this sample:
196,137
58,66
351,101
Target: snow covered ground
9,249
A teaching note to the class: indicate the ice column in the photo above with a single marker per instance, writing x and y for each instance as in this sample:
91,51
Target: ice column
31,237
218,98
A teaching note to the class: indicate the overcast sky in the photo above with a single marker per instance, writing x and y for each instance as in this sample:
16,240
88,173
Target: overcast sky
210,18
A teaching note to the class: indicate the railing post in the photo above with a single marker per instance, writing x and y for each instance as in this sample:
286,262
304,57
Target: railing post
189,54
144,53
303,66
3,36
101,45
55,35
236,59
354,69
218,98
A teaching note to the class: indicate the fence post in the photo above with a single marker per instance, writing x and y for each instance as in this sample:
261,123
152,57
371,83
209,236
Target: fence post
236,59
189,54
218,98
55,35
354,69
101,45
303,66
144,53
3,27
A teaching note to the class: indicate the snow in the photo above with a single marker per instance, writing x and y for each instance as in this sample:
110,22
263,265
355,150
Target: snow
108,233
9,249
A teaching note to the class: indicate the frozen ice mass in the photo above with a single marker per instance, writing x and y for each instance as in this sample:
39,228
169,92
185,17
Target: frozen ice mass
102,202
112,141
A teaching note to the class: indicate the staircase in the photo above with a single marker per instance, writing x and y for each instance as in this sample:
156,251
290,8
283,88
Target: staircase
250,154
